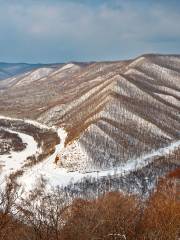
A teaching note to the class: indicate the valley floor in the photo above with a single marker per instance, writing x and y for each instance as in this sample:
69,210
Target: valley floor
13,161
57,175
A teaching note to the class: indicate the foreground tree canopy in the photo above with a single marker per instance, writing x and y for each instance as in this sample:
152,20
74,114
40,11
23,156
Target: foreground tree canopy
42,216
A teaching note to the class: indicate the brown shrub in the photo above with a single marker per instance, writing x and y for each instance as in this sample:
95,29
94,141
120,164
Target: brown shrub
113,216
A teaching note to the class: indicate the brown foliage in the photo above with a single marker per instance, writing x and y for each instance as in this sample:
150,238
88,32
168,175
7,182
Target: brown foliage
113,216
116,216
161,219
175,174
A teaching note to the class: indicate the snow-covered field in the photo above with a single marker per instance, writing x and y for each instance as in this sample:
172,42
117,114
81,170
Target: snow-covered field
59,176
13,161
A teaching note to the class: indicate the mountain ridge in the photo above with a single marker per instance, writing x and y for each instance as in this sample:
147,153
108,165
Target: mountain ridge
113,112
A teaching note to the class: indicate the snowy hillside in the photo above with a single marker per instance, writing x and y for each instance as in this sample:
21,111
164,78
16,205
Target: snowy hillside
110,118
8,70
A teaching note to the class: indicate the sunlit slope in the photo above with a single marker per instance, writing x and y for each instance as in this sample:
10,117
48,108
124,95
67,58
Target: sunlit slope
114,110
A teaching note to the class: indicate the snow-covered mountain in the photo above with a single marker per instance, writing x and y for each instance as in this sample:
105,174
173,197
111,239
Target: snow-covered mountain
8,70
113,118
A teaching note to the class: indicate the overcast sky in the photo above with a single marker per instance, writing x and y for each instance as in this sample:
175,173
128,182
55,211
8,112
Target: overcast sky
86,30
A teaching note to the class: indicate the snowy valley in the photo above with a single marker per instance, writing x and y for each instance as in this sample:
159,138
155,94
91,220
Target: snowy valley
105,125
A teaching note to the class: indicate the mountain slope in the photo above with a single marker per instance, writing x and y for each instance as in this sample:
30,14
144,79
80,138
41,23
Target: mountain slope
113,112
8,70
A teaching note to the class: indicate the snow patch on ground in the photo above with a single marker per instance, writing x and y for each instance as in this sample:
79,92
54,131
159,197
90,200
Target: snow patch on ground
47,168
137,62
74,157
35,75
67,66
10,163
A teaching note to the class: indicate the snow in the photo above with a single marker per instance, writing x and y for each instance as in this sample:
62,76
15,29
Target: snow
169,91
60,111
37,124
137,62
61,176
169,99
35,75
45,168
74,157
27,78
14,161
57,176
116,111
67,66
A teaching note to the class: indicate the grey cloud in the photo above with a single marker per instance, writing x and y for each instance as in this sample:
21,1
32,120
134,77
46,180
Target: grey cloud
61,30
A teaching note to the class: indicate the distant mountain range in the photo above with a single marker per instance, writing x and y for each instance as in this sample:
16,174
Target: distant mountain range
11,69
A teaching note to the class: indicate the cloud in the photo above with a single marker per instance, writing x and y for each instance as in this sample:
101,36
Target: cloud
83,30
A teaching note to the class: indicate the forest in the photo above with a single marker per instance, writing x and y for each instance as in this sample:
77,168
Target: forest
112,216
